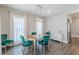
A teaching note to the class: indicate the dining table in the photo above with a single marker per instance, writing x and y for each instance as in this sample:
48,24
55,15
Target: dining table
33,38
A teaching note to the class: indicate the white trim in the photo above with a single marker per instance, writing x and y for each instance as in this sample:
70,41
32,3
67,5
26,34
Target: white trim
61,41
65,42
0,37
11,25
25,24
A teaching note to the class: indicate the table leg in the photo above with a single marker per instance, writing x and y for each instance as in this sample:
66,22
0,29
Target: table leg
34,47
5,48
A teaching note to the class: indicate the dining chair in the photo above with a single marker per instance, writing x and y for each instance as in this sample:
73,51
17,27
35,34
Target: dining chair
26,43
33,33
48,33
44,42
5,41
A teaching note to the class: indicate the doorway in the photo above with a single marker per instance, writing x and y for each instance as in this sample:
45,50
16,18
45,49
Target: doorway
73,28
68,30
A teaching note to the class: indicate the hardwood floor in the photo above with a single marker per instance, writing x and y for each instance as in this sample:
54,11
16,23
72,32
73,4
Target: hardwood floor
55,48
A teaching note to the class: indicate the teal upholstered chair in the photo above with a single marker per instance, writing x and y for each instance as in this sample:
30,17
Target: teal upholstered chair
48,33
26,43
33,33
44,42
5,41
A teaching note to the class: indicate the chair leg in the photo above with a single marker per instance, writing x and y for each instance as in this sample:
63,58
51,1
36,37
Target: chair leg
32,49
5,49
43,49
48,47
23,50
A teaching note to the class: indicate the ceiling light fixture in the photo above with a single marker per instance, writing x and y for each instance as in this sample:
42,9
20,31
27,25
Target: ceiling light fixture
48,11
40,10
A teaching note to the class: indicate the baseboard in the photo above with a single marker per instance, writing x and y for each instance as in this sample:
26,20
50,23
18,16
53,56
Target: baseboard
55,40
59,41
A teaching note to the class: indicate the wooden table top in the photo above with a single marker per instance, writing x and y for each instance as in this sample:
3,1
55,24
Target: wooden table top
31,37
34,37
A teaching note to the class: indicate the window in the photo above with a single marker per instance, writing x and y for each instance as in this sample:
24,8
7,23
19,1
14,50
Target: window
18,27
39,26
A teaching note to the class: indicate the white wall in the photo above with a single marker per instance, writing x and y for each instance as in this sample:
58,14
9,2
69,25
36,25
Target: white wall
0,36
75,27
57,25
45,25
5,22
32,23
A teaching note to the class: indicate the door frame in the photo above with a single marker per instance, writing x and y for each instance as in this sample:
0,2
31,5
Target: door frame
0,36
69,30
70,20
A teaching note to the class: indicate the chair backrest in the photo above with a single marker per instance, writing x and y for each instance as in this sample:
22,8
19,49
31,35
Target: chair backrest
23,39
3,37
48,33
33,33
46,39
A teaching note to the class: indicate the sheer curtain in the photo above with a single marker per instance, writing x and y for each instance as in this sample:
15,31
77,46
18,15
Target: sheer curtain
39,25
17,27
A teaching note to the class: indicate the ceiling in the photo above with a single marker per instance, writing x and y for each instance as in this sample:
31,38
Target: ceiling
46,10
